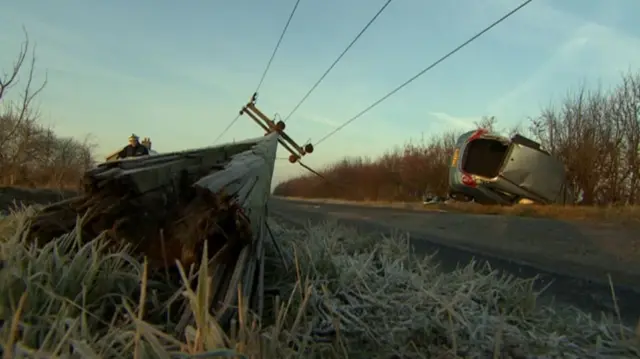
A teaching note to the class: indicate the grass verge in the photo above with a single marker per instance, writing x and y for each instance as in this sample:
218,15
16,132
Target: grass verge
618,214
335,294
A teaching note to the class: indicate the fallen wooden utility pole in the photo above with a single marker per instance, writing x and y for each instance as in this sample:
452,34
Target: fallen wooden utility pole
167,206
171,207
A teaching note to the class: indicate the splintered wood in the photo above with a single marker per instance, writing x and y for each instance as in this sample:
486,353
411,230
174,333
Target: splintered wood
168,206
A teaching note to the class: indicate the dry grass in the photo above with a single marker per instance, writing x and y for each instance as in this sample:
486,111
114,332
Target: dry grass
13,196
622,214
337,294
72,186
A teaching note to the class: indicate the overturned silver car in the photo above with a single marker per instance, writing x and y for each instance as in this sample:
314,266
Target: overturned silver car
491,169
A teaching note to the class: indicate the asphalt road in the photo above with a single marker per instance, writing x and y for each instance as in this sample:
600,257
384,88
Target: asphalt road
459,238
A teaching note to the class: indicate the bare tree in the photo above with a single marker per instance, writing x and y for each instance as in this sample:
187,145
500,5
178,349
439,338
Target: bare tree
21,111
31,154
487,122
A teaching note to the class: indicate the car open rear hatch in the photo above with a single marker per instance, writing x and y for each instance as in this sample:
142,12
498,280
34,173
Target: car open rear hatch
484,155
516,167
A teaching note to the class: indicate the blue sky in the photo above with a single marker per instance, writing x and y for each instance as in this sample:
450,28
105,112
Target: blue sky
179,71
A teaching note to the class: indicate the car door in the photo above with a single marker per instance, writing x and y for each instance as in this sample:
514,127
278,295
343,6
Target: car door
534,171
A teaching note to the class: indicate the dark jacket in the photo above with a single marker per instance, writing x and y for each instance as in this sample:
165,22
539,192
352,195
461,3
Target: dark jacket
133,151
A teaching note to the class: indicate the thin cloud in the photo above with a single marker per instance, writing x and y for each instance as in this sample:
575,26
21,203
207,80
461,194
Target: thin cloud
321,120
588,48
456,121
562,58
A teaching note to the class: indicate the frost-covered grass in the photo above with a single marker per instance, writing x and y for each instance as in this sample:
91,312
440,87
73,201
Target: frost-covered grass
337,294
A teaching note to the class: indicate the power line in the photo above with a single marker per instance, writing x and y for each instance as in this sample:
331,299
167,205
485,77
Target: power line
313,171
266,69
476,36
337,60
275,50
227,128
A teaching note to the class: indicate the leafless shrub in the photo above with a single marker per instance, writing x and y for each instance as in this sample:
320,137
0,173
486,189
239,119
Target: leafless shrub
597,135
402,174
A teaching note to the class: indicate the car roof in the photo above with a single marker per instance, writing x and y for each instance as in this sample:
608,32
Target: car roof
465,136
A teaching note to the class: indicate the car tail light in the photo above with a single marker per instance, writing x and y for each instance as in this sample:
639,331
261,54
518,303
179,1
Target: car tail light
479,133
467,180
